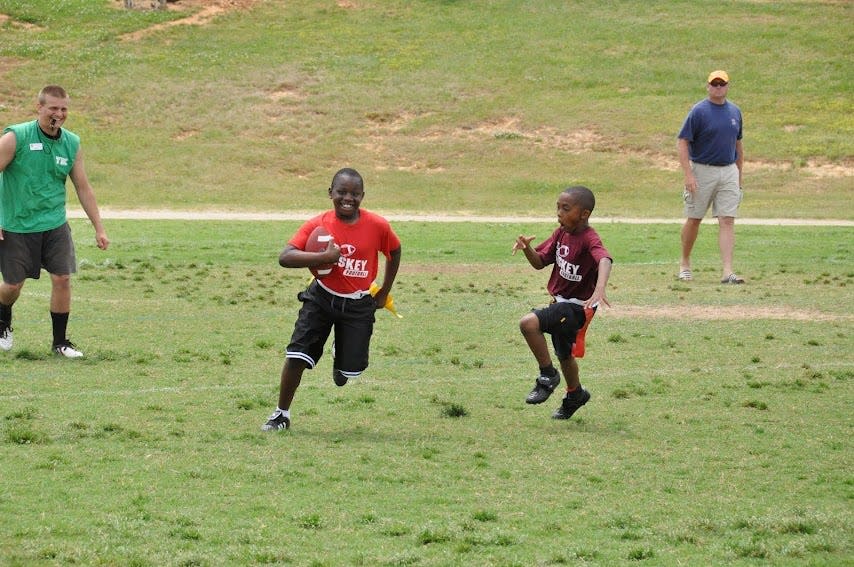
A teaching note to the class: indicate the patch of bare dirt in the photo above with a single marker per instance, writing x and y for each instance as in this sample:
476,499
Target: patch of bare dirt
8,63
720,313
820,169
580,141
4,19
379,135
185,134
287,91
201,13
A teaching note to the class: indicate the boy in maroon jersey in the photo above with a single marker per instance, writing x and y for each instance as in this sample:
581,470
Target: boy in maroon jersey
577,283
342,300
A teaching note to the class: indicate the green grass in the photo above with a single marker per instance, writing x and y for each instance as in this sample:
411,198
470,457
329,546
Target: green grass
718,432
479,107
707,441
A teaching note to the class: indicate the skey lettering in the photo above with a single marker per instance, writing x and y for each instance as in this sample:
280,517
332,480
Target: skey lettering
353,267
568,271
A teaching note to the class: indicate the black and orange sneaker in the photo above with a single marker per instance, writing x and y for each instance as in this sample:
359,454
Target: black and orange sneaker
571,403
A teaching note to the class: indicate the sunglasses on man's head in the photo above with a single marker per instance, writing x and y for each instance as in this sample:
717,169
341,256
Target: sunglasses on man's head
719,83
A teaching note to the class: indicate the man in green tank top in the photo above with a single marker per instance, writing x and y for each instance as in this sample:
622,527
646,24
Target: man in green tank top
36,158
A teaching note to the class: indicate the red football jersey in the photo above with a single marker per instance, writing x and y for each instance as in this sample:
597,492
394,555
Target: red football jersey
360,243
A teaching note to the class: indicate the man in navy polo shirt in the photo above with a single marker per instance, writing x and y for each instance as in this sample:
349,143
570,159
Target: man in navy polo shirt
712,156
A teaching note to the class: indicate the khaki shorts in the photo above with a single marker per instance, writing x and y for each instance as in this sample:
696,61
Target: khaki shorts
716,186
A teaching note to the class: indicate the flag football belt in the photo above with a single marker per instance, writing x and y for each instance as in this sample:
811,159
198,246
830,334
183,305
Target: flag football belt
354,295
578,345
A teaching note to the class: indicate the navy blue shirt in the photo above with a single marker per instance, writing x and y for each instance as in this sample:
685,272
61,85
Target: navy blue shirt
711,131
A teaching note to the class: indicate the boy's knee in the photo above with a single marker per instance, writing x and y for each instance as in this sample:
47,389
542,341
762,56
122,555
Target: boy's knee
530,323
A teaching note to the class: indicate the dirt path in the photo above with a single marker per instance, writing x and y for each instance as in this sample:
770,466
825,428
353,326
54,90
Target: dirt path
213,214
207,11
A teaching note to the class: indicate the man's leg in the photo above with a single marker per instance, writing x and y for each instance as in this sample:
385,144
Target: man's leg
60,293
726,243
690,230
9,294
60,306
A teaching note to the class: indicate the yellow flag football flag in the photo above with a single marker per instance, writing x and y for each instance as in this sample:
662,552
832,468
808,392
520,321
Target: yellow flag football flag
389,302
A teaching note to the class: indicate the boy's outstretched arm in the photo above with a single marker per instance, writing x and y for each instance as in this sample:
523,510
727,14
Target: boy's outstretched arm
392,264
523,243
601,283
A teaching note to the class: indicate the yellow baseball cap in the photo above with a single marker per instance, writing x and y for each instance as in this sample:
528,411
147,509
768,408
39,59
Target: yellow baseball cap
722,75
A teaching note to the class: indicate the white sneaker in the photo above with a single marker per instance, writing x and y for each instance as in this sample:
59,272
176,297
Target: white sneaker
67,349
6,338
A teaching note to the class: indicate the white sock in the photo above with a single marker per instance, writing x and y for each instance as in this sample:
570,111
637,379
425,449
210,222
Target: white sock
284,412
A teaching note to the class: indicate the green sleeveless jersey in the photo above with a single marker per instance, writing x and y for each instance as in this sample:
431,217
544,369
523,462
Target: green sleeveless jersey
32,187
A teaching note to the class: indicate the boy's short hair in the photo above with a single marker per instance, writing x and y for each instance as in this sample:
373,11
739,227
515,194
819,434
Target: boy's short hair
348,172
582,195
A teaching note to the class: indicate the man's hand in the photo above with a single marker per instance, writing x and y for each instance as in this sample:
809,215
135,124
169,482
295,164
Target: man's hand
100,239
690,183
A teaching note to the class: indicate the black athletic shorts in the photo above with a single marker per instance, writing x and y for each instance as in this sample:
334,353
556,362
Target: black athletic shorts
23,255
321,311
562,320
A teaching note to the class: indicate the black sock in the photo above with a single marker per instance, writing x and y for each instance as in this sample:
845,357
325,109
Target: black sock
549,370
6,314
60,324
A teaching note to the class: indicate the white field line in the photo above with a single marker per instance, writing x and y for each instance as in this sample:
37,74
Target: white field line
216,215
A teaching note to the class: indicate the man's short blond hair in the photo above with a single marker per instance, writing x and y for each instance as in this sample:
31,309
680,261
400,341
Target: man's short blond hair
51,90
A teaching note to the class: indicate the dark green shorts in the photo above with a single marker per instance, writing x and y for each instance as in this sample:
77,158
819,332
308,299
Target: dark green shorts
23,255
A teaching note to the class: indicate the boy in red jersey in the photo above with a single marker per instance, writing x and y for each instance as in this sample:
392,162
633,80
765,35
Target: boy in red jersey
342,300
582,266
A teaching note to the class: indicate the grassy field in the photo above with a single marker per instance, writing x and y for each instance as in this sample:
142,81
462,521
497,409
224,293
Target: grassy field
480,107
719,428
718,433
